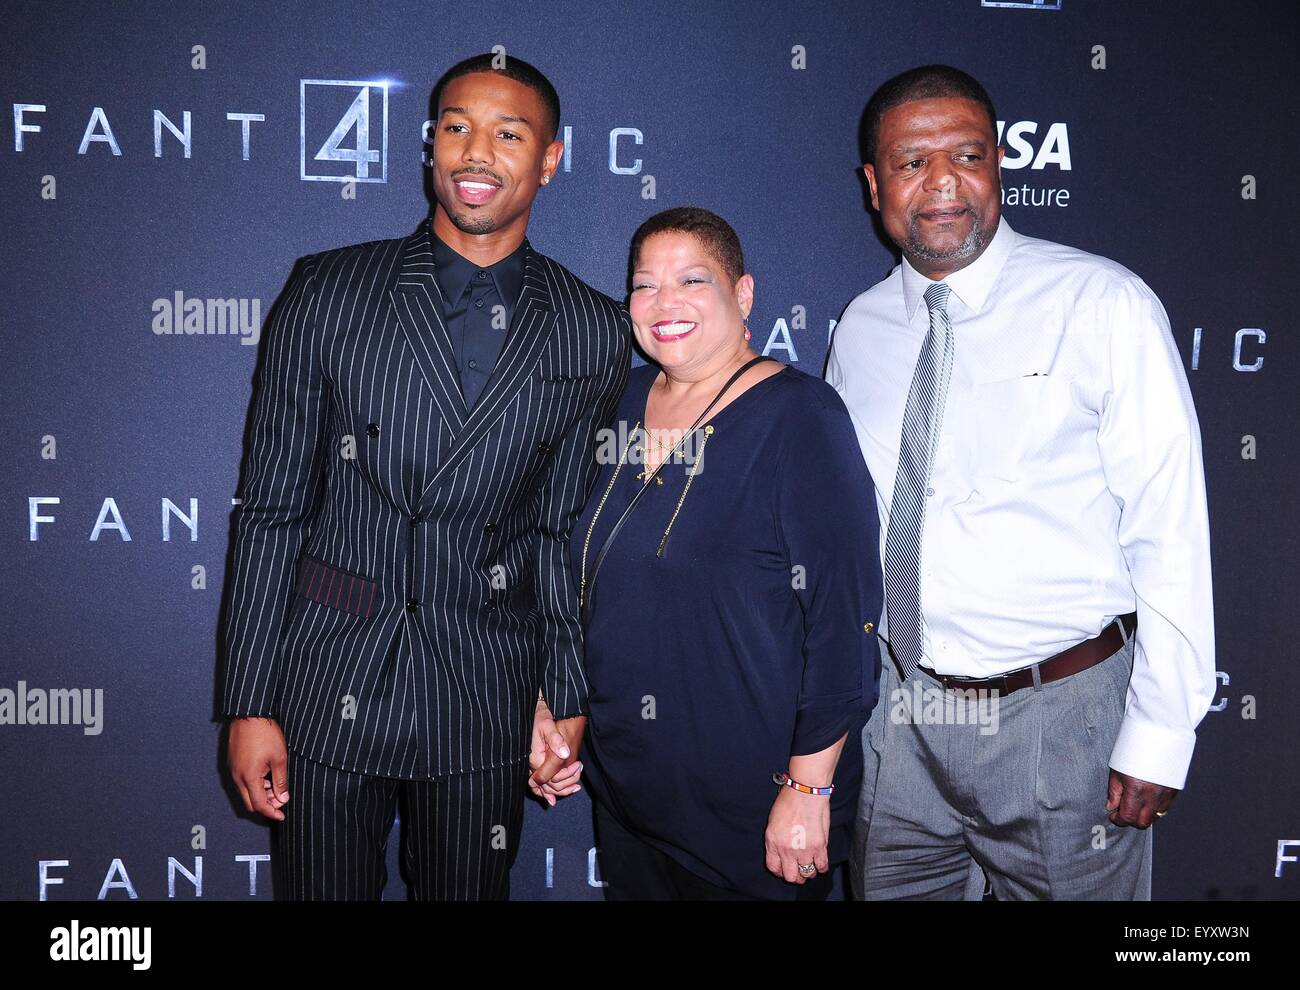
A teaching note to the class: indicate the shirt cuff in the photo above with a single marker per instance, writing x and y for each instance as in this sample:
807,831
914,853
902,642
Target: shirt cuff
819,725
574,713
1151,752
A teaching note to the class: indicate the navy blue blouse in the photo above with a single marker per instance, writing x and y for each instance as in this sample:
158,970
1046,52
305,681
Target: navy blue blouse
751,639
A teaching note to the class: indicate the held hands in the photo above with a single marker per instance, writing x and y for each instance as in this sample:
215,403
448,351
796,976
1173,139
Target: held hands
797,829
255,748
554,755
1137,802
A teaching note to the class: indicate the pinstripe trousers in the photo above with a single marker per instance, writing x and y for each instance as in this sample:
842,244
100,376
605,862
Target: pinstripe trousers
460,833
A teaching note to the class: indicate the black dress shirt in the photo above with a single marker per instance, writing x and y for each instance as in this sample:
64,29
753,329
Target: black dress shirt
478,306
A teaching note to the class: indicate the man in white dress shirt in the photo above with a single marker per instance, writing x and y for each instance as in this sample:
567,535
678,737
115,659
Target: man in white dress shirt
1026,419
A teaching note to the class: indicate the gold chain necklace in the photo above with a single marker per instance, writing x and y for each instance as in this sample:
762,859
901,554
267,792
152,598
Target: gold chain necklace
647,474
663,542
660,446
663,451
586,543
695,469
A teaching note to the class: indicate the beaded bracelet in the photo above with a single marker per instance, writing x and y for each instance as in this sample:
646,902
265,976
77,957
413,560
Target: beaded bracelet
786,780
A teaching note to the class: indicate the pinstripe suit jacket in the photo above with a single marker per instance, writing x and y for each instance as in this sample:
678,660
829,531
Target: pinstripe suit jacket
400,586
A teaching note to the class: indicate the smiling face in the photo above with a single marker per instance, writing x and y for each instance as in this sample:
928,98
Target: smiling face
936,182
491,150
688,316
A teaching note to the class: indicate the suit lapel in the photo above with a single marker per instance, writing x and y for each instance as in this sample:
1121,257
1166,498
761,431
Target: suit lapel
416,298
534,319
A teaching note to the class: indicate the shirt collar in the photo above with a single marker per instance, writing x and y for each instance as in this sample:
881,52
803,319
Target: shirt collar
454,271
970,284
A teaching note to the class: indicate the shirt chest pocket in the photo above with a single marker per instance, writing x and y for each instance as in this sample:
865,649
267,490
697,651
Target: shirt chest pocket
1013,426
560,372
566,383
563,364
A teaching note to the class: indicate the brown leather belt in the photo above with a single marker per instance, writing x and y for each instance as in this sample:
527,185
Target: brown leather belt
1079,657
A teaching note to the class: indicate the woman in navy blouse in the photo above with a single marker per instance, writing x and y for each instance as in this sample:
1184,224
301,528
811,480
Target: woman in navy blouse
730,622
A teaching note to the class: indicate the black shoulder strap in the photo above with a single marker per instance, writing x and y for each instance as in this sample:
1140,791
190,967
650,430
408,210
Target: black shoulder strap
604,547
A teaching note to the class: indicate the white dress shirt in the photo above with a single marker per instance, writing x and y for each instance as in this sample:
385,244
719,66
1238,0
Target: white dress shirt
1067,486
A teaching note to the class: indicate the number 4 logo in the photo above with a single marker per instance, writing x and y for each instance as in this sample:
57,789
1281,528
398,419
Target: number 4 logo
319,100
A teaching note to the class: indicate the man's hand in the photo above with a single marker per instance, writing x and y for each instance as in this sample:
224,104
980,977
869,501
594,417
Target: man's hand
554,755
256,748
1136,802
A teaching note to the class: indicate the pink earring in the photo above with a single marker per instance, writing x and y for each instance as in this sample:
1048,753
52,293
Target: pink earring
748,335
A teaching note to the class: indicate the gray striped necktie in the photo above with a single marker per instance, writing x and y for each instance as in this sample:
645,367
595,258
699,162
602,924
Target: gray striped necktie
921,422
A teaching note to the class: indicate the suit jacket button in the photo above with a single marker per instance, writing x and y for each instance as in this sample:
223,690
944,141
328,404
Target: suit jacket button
412,604
373,429
490,606
417,519
543,447
490,528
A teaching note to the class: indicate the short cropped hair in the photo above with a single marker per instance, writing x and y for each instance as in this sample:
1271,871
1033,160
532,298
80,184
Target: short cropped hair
513,68
925,82
714,233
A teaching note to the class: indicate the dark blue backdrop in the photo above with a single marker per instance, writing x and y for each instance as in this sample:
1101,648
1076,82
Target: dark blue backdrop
749,109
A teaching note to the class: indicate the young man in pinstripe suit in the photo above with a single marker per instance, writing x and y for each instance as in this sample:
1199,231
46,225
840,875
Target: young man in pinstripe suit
401,626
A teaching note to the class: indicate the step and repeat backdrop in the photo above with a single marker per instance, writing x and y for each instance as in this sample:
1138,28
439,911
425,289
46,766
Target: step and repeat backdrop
159,156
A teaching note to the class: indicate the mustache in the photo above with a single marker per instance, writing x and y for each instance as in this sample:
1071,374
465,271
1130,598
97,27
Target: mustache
942,204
